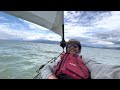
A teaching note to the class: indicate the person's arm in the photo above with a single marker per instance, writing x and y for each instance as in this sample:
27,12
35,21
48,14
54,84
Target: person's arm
47,71
102,71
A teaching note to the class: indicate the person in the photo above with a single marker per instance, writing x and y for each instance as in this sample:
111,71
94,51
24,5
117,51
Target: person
97,70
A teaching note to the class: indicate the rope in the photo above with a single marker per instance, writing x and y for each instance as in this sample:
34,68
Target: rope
62,44
53,59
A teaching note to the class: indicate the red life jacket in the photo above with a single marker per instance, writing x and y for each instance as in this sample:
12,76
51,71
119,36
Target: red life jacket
72,67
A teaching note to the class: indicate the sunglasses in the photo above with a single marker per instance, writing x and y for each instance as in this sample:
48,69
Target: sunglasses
72,45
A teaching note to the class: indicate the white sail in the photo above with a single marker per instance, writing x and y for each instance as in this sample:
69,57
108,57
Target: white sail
51,20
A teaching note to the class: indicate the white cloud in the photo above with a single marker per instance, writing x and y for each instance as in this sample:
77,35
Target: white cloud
34,26
24,34
111,22
71,16
75,31
72,29
3,18
101,42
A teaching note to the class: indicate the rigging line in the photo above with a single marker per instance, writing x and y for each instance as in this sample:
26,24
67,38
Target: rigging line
53,59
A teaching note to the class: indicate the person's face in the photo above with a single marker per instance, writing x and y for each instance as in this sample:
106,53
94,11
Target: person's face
73,48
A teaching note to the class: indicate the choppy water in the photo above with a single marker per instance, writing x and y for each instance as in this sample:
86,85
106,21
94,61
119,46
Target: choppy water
20,60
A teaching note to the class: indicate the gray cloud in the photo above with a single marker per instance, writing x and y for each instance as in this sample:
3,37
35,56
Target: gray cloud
86,18
92,28
100,28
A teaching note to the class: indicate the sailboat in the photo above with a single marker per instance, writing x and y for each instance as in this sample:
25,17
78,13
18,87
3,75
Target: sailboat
52,20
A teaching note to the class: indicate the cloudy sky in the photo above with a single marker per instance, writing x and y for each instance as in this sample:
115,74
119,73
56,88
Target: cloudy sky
96,28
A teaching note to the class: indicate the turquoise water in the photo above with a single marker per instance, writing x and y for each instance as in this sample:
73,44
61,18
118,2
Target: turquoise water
20,60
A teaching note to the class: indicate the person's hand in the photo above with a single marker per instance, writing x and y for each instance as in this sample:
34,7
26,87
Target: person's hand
52,77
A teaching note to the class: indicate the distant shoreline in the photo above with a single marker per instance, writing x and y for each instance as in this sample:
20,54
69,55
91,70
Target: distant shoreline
58,43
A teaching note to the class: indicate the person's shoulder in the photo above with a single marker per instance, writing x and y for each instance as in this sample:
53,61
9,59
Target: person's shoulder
86,59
